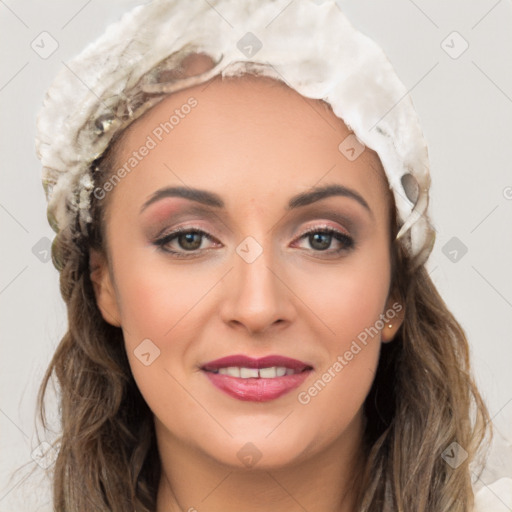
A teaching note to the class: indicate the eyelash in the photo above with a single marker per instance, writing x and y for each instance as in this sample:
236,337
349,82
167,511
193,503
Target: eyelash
347,241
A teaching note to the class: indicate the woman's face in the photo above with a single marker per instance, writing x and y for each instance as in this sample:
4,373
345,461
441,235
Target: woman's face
236,163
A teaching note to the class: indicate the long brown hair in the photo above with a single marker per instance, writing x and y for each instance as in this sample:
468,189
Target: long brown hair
422,400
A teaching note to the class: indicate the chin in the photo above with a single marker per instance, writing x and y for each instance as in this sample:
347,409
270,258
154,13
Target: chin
257,452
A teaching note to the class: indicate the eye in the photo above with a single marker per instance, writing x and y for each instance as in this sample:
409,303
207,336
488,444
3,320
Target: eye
187,242
321,238
187,239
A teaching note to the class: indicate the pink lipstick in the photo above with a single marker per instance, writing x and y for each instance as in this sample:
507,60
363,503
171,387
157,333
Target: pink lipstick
257,380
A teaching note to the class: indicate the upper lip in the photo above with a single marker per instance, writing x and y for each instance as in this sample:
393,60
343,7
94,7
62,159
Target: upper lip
243,361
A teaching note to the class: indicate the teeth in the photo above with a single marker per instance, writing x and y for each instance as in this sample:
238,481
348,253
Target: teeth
246,373
232,371
268,373
263,373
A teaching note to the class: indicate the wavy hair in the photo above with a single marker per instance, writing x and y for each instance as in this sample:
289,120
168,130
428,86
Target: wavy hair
423,397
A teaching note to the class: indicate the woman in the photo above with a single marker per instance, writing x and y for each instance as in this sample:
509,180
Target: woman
239,192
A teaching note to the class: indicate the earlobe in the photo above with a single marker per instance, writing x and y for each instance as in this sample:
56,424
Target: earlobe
104,292
394,315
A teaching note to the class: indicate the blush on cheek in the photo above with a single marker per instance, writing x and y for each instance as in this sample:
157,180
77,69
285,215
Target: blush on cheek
157,305
347,304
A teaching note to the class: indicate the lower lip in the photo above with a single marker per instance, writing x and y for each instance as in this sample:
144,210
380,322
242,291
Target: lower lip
257,389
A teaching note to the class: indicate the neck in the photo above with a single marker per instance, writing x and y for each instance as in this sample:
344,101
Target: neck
326,481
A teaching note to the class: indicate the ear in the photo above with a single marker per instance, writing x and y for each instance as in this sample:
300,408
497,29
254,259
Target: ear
103,289
393,317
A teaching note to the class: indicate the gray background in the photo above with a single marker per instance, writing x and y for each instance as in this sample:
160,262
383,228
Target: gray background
465,106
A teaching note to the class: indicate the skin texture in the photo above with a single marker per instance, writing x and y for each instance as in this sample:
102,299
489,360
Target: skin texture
256,143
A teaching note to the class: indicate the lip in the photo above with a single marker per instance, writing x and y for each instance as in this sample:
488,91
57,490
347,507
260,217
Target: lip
257,389
262,362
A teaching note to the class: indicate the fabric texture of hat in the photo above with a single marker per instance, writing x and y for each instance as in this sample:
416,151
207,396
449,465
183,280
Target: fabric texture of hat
309,45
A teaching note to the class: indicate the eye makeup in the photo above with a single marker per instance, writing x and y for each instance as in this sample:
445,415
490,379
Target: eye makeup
179,235
201,224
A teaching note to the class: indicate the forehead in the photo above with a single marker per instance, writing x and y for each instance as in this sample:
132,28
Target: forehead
245,134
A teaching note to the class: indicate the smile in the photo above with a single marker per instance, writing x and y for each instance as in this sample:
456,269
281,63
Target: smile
262,373
256,380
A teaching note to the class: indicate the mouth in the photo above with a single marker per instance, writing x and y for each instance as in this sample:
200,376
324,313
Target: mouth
256,380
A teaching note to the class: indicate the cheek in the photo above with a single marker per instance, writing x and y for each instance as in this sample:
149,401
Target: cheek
159,304
154,300
349,301
156,294
163,302
349,297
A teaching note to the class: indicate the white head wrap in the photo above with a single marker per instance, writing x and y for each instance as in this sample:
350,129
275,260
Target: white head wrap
307,44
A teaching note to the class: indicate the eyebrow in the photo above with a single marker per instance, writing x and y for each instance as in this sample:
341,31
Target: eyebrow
214,200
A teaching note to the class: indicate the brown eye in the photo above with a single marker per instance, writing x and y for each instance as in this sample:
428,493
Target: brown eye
186,240
190,241
320,240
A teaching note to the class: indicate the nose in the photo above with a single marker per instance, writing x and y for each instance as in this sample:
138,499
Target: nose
256,296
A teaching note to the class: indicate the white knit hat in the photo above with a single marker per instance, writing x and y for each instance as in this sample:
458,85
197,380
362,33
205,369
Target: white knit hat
307,44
